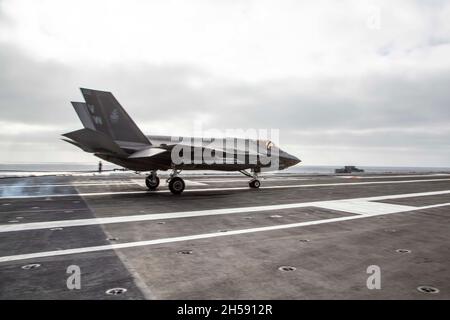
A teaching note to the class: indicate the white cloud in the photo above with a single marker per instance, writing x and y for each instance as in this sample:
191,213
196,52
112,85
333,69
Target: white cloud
250,40
17,128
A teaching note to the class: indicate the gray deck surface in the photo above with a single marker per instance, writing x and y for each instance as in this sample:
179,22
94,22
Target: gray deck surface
330,265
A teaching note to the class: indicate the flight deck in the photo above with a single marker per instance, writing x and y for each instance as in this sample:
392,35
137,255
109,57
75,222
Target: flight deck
296,237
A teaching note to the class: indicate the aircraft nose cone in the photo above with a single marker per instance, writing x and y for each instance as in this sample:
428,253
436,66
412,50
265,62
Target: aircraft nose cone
293,160
296,160
289,160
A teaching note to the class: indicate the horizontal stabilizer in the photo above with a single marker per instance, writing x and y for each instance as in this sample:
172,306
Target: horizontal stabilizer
95,141
84,148
147,153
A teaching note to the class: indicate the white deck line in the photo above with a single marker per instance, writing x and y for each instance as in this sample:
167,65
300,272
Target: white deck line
364,207
356,205
245,179
222,189
393,176
214,179
187,238
66,185
88,184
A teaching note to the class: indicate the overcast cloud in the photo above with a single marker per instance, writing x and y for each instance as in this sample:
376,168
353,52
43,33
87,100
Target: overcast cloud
346,82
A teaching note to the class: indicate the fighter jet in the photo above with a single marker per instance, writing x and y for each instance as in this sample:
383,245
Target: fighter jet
110,134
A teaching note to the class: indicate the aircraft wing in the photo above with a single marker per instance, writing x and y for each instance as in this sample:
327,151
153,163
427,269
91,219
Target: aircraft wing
147,153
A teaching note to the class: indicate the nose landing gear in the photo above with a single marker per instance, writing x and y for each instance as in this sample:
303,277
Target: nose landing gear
254,182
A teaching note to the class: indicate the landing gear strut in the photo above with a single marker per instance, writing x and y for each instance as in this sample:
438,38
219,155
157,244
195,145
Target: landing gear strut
176,184
152,181
254,182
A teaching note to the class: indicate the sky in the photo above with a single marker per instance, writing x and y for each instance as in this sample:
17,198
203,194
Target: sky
345,82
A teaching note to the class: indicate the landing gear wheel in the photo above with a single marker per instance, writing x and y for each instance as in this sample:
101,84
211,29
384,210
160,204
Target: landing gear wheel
254,184
176,185
152,182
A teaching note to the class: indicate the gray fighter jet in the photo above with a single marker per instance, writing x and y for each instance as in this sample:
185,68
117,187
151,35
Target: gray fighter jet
110,134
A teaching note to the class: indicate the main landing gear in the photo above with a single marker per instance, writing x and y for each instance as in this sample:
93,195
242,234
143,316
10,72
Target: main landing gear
254,182
176,184
152,181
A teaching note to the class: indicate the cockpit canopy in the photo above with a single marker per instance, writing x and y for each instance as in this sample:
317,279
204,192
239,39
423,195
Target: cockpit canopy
268,145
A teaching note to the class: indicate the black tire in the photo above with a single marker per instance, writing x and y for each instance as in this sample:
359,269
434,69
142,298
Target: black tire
176,185
255,184
152,184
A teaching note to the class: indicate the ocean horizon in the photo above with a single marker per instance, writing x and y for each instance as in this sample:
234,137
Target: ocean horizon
9,168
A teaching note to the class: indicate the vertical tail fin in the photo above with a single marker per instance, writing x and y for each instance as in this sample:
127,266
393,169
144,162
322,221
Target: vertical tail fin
83,114
103,113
